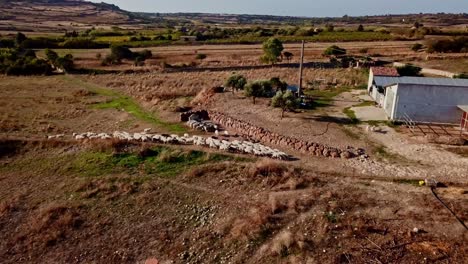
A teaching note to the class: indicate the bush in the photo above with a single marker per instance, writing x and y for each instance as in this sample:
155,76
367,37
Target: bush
417,47
7,43
363,50
200,56
448,45
40,43
23,62
82,43
119,52
409,70
334,50
461,76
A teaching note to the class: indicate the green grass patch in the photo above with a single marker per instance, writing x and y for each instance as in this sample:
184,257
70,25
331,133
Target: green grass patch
125,103
351,115
327,94
381,153
163,162
324,98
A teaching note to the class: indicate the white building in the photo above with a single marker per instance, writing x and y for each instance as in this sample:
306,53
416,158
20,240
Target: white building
432,100
377,81
420,99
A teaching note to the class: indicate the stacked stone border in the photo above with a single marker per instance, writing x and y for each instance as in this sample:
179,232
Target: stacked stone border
263,135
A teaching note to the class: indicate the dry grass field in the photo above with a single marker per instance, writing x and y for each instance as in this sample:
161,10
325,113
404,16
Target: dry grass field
67,202
116,201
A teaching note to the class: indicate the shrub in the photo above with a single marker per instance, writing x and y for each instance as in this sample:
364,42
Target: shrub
417,47
200,56
7,43
40,43
82,43
334,50
409,70
23,62
363,50
120,52
448,45
461,76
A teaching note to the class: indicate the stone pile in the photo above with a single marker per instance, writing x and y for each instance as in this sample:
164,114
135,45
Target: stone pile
263,135
244,147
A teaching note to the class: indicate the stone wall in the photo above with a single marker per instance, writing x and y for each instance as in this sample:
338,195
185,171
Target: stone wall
266,136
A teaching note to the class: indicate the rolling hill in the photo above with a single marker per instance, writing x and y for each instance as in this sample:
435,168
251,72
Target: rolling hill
59,15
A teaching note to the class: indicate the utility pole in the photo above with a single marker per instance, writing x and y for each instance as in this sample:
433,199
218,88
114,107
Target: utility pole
299,90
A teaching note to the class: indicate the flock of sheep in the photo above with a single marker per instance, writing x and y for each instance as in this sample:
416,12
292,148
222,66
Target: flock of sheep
235,146
204,125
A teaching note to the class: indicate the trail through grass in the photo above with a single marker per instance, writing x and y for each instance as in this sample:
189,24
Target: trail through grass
121,102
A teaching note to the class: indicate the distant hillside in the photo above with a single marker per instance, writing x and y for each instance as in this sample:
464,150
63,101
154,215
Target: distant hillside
59,15
441,19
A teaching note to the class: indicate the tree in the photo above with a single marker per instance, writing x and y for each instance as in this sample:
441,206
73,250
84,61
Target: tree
360,28
277,84
119,52
409,70
272,49
20,38
258,89
236,82
51,55
65,63
284,100
288,55
334,50
330,28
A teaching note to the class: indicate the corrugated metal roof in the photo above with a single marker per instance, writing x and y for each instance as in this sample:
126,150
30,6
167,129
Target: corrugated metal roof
386,81
385,71
382,81
464,108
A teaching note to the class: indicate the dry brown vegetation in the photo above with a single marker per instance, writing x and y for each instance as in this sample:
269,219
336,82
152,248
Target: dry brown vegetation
112,201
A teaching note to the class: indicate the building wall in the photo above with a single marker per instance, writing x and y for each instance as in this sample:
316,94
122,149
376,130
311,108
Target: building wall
390,101
371,80
429,103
